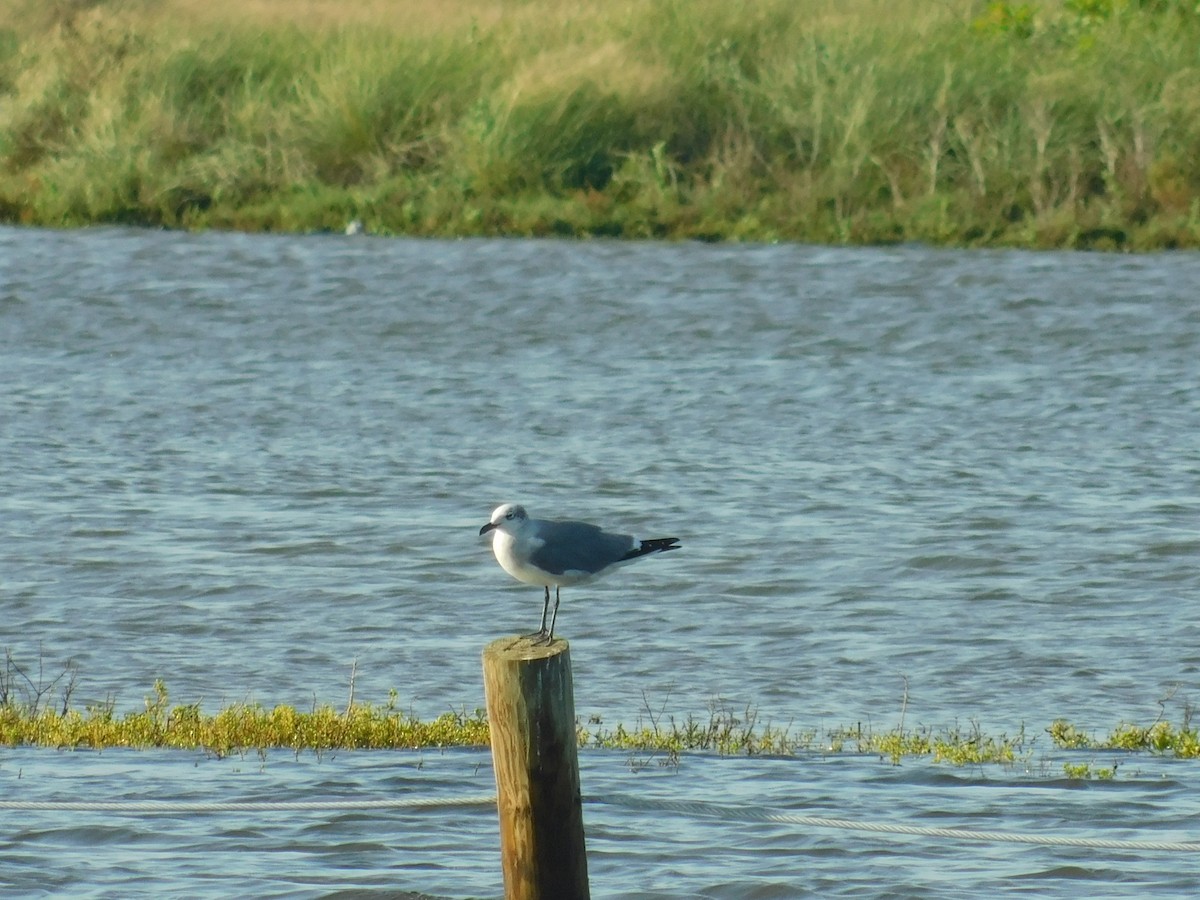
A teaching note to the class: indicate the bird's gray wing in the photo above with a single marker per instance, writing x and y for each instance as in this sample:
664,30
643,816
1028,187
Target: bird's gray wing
577,547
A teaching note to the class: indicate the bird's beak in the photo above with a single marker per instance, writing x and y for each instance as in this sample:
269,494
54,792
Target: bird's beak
486,528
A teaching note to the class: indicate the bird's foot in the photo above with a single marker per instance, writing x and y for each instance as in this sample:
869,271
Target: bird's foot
541,636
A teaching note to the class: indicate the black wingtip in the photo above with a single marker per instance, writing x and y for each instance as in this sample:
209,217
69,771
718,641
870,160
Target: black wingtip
654,545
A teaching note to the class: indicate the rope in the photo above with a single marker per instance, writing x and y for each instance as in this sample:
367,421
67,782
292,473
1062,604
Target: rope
708,810
743,814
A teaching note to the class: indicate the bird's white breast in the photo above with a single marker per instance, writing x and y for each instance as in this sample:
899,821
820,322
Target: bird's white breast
505,545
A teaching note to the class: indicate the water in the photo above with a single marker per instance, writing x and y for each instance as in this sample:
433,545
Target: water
961,487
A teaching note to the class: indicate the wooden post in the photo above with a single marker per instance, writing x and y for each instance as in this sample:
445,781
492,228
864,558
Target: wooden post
531,712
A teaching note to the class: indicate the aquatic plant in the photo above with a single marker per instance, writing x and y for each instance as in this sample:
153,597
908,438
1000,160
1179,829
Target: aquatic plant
1085,771
36,710
245,727
951,745
238,728
1160,737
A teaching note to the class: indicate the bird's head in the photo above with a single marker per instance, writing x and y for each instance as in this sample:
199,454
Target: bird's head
508,517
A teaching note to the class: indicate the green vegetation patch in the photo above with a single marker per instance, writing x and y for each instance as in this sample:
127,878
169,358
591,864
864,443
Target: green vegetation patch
236,729
1161,737
851,122
728,734
36,710
242,728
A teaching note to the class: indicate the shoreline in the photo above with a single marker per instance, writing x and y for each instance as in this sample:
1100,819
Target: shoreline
859,124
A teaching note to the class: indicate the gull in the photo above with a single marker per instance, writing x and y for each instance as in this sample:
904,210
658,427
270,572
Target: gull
545,552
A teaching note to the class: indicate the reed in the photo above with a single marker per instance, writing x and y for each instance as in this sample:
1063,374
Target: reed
1071,123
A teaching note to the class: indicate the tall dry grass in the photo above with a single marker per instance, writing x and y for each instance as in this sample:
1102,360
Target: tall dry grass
1071,123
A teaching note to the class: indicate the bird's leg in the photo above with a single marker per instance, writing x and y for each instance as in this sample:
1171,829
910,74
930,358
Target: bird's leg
554,617
545,609
541,634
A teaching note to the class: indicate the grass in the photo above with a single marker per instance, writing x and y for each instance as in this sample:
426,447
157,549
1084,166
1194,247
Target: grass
235,729
963,122
36,710
1160,737
729,734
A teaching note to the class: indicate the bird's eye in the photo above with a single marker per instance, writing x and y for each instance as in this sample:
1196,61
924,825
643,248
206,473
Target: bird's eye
509,516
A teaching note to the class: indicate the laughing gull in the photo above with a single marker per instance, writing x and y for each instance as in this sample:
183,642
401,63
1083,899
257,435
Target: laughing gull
538,551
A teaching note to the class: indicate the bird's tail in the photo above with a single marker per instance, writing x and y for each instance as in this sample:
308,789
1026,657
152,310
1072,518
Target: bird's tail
653,545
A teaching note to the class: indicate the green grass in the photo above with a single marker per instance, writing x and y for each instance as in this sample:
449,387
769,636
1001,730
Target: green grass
1086,772
1160,737
38,710
239,728
34,712
729,734
1065,124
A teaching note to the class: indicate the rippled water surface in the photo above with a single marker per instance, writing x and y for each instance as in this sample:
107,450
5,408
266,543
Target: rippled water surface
954,486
